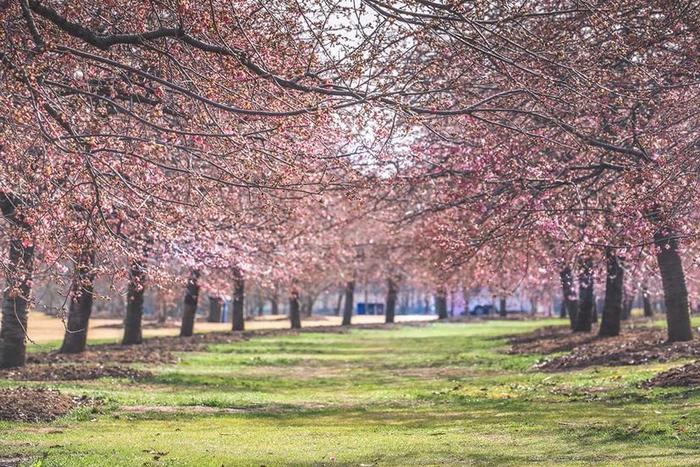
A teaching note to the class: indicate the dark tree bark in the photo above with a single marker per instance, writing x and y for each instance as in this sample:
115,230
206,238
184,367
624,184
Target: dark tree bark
162,314
614,286
503,311
303,306
675,290
274,305
237,302
190,308
216,305
626,306
14,304
441,303
339,305
80,308
570,303
391,296
294,312
134,304
18,284
465,298
349,302
307,305
648,309
594,314
585,297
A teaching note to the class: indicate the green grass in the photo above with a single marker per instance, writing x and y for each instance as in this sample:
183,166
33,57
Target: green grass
444,394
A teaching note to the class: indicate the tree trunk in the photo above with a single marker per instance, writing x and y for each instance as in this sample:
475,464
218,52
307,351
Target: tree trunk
585,297
339,306
503,311
294,312
675,291
274,304
162,315
190,308
80,308
391,296
134,304
614,286
349,303
594,314
216,305
569,296
465,298
14,303
648,309
441,303
307,305
237,302
626,306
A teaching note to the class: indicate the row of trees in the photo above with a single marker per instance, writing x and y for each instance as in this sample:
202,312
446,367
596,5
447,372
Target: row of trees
303,143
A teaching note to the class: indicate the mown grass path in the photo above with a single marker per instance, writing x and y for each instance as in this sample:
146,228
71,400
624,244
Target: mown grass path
443,394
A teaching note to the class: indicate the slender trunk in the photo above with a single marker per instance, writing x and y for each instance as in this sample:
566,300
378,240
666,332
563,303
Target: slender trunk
134,304
340,304
366,301
594,314
14,304
216,305
391,295
441,303
294,312
465,298
648,309
503,311
585,296
349,302
307,305
626,306
80,308
275,309
162,311
190,308
614,286
675,291
570,304
237,302
303,306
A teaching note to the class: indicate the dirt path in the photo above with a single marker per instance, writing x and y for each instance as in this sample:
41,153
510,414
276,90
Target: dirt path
43,328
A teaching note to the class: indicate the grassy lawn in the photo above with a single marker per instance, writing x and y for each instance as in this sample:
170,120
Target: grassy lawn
444,394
